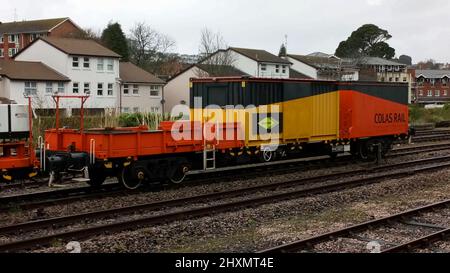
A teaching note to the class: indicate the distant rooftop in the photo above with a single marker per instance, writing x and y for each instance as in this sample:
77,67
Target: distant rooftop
78,47
318,62
221,70
433,73
131,73
21,70
379,61
34,26
260,55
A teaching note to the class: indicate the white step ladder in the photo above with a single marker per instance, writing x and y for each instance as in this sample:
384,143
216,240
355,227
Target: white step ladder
209,158
209,151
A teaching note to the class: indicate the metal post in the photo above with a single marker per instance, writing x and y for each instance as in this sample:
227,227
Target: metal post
379,147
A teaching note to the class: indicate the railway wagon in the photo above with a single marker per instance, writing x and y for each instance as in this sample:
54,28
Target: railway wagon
17,159
136,155
330,117
234,120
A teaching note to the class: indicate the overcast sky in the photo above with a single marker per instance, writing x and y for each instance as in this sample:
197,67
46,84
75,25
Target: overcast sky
419,28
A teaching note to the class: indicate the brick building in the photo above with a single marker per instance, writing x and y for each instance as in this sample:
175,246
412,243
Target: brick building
432,86
14,36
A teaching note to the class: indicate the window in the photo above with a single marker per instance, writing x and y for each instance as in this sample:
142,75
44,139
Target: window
154,90
75,62
445,93
12,52
277,69
136,109
13,38
154,109
1,39
61,87
48,87
135,89
2,52
404,79
100,89
397,79
390,79
382,79
100,65
86,63
75,88
35,36
284,69
430,93
126,109
30,88
87,88
110,64
263,67
421,93
437,93
110,89
126,91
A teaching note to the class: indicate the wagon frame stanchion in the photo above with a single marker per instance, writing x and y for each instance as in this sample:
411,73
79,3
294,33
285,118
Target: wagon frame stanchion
57,98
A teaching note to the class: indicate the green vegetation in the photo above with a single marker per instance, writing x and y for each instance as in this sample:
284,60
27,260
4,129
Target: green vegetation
152,120
114,39
420,115
368,40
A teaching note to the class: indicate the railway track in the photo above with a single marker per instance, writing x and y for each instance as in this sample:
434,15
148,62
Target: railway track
66,196
411,221
273,192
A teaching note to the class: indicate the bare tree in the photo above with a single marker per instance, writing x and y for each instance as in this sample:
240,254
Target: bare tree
147,45
213,53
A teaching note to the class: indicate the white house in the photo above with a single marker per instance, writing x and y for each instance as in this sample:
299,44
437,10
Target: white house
91,68
321,66
20,79
255,62
176,90
141,91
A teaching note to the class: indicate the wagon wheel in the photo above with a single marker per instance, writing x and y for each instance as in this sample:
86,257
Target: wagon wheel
179,174
130,182
266,156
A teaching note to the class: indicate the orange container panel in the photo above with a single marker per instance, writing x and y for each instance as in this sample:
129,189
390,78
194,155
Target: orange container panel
363,115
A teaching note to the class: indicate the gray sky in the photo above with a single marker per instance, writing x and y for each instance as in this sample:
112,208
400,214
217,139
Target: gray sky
419,28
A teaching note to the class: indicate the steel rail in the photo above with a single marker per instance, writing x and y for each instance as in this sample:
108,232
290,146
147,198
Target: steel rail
308,243
204,211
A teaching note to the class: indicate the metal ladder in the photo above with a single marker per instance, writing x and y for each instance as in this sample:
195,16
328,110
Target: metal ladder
209,158
209,151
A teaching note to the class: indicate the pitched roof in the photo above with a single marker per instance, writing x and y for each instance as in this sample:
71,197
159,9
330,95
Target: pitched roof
74,46
294,74
321,54
213,70
221,70
130,72
318,62
379,61
260,55
433,73
21,70
34,26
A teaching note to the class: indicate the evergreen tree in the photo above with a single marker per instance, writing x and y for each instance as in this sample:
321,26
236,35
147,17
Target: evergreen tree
283,51
114,39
